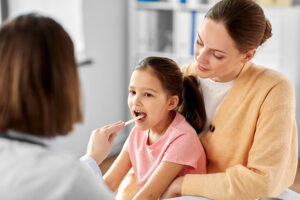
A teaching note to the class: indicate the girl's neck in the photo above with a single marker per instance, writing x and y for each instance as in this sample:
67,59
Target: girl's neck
156,132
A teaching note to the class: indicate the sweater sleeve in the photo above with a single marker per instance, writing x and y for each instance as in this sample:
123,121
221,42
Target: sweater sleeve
272,158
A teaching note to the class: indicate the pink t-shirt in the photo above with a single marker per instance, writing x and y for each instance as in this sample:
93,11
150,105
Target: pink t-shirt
180,144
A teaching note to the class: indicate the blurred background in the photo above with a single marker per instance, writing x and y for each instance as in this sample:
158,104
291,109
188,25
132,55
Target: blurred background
111,36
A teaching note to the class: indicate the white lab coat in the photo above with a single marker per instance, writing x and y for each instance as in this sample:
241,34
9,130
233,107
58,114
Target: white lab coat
33,172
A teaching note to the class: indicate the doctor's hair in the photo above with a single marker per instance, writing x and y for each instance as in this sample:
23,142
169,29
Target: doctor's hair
191,103
39,83
244,20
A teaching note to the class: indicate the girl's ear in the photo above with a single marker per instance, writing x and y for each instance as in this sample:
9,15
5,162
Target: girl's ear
173,102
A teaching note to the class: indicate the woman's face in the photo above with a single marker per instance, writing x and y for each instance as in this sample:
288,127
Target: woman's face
216,54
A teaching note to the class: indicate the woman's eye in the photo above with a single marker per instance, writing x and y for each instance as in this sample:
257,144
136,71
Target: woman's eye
148,95
219,57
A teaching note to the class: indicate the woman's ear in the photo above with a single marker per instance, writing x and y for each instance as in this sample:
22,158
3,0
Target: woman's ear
173,102
248,56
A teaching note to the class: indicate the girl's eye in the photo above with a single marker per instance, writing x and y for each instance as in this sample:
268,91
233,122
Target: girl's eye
132,92
148,95
199,43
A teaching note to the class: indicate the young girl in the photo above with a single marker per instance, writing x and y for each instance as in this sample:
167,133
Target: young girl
164,143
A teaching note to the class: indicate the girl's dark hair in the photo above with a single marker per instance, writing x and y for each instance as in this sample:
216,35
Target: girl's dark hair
244,20
191,104
39,83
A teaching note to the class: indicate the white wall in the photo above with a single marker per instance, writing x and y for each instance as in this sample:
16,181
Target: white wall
104,87
56,9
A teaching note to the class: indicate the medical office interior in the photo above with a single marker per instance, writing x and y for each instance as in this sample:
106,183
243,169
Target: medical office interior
111,36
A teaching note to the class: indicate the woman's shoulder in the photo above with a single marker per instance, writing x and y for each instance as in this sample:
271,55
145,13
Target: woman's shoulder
264,74
257,75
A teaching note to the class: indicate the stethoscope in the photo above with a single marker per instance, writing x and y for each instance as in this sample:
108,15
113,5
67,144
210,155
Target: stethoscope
9,137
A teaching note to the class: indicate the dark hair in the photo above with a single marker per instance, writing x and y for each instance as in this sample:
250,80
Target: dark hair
39,84
191,103
244,20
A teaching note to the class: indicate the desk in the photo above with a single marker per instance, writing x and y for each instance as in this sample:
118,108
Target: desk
286,195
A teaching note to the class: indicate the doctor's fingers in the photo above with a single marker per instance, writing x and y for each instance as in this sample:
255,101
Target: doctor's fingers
116,124
112,137
111,129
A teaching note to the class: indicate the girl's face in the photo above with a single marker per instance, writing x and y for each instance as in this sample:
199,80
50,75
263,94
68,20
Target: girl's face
216,54
147,97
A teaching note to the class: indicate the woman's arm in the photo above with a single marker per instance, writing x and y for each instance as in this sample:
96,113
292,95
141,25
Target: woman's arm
174,189
118,171
159,181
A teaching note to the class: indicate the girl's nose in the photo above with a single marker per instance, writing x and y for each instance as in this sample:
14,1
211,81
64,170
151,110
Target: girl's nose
137,100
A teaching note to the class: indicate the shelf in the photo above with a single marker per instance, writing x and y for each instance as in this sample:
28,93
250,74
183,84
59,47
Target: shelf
163,54
158,6
204,7
201,7
179,59
173,6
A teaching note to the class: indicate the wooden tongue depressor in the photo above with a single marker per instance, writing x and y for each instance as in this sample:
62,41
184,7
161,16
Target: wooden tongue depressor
133,120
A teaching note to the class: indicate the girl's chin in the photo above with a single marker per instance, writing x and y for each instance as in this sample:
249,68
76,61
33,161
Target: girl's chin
141,127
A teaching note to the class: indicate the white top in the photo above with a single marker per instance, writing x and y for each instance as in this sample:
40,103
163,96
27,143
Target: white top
31,171
213,95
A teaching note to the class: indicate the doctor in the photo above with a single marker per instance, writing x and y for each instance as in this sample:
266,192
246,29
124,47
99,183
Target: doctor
40,99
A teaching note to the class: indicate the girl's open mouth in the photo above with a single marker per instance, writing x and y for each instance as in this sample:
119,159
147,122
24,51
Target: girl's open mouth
138,113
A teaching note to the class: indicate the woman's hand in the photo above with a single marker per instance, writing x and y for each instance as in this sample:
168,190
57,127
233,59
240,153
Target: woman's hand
101,141
174,189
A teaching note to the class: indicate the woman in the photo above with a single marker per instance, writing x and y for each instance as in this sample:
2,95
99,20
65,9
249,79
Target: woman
250,137
40,99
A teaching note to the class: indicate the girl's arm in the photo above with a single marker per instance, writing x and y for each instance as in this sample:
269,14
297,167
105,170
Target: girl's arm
118,171
159,181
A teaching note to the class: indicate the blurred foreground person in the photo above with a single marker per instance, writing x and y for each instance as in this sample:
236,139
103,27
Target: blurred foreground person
40,99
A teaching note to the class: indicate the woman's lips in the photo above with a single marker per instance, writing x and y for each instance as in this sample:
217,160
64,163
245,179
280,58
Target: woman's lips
202,68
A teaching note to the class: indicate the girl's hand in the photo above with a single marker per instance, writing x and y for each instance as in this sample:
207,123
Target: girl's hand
101,141
174,189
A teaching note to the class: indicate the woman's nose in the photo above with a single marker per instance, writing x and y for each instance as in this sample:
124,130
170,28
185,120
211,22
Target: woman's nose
202,56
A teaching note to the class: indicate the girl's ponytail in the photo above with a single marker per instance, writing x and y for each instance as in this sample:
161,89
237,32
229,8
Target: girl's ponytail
192,106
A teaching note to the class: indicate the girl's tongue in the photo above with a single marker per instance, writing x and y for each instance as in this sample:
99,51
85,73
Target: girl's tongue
140,113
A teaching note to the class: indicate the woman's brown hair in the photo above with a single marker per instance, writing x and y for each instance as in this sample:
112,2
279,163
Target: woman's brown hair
191,103
39,84
244,20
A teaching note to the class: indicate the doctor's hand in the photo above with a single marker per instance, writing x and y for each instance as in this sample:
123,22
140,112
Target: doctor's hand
101,141
174,189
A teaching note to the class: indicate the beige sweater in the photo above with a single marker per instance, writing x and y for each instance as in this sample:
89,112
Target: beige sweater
252,151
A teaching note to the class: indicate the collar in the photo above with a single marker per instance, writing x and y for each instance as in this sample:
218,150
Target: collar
29,138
